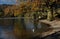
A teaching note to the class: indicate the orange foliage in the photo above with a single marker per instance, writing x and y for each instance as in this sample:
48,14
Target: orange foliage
20,9
36,4
7,10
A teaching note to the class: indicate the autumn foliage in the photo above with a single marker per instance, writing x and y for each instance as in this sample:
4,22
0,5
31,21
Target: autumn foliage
22,9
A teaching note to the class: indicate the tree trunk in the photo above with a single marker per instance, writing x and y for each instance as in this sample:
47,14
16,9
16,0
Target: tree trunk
50,15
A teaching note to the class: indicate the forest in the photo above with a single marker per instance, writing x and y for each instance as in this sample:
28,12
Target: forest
32,10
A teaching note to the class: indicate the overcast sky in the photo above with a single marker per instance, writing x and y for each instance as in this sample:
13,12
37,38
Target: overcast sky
7,1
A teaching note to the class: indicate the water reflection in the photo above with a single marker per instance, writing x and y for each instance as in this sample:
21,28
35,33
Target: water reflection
6,29
32,30
30,26
6,33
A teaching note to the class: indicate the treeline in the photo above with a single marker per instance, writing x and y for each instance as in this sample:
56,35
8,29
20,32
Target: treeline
41,9
37,10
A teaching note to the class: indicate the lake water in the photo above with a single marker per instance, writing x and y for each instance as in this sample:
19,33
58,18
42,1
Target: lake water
6,29
7,26
6,33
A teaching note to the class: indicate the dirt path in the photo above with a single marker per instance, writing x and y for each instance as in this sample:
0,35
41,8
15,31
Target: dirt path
54,24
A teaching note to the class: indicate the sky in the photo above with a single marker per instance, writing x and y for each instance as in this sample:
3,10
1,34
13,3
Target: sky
7,1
